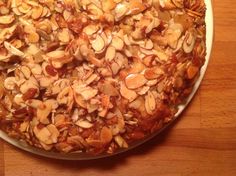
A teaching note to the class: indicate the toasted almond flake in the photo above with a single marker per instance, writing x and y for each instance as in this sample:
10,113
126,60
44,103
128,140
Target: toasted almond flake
84,124
10,83
134,81
150,103
108,5
189,42
106,135
7,19
117,43
13,50
43,112
91,29
110,53
120,11
98,44
127,93
153,73
121,142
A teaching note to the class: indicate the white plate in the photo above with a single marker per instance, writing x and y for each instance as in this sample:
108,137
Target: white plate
84,156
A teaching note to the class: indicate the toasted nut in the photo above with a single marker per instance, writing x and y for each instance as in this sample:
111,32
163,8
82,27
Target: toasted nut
117,43
43,112
153,73
110,53
7,19
47,135
106,135
189,42
127,93
192,71
84,124
13,50
150,103
108,5
98,44
134,81
121,142
10,83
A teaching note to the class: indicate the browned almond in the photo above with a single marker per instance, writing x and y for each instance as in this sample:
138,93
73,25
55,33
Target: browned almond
134,81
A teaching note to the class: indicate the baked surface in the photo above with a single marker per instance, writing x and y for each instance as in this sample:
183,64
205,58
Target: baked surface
95,76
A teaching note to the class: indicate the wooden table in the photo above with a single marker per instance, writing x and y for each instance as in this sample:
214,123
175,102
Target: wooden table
202,142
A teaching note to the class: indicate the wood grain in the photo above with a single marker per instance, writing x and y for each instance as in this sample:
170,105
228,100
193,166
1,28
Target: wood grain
201,142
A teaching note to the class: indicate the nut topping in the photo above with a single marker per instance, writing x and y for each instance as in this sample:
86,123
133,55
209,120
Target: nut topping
94,76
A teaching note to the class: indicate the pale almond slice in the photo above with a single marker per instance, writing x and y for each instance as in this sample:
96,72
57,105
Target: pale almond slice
110,53
108,5
178,3
24,8
153,73
13,50
134,81
150,103
37,12
127,93
64,35
91,29
43,112
7,19
10,83
84,124
91,79
189,42
143,90
136,7
120,11
54,133
121,142
118,43
98,44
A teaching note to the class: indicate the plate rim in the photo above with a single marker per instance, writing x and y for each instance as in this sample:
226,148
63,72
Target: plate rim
209,19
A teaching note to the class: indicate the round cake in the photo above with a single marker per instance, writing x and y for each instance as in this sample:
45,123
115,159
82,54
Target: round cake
95,76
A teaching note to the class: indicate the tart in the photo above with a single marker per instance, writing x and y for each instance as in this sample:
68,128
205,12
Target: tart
95,76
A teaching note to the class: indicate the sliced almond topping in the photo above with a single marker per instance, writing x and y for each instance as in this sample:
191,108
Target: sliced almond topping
108,5
13,50
127,93
84,124
192,71
118,43
121,142
43,112
10,83
7,19
110,53
150,103
106,135
91,29
98,44
134,81
153,73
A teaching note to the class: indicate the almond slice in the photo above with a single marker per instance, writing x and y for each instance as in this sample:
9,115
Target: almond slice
127,93
150,103
13,50
118,43
7,19
98,44
84,124
134,81
110,53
